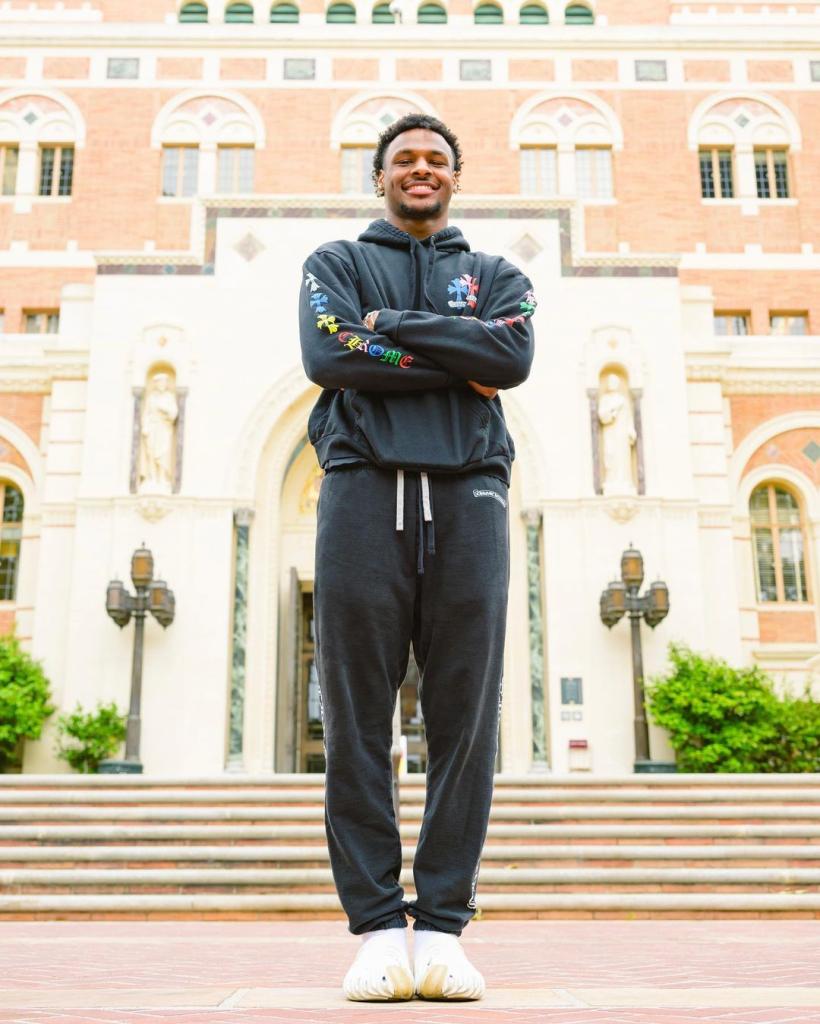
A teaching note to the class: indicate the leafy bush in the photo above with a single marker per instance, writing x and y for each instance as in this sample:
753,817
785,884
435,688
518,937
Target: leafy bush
798,742
724,719
24,699
98,735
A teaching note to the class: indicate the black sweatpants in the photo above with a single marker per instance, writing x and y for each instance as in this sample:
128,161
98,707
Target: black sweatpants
440,582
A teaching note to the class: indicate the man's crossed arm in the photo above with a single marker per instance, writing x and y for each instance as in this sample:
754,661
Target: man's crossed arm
411,350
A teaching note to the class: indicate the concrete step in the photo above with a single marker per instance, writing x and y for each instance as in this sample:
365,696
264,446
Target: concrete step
230,906
238,781
523,832
411,795
413,812
308,879
534,854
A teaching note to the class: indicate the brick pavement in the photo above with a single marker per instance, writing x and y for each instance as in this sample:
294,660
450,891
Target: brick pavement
549,972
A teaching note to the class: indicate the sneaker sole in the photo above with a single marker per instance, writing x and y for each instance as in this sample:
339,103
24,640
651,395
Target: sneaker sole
432,986
403,988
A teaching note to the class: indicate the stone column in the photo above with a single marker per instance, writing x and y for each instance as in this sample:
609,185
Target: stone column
535,579
242,518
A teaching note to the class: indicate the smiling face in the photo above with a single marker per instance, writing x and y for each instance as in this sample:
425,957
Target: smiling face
418,181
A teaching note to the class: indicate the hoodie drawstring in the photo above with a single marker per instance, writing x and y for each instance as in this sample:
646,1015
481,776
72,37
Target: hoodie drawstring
425,515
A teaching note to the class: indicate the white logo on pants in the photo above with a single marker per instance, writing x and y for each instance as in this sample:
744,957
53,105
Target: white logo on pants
488,494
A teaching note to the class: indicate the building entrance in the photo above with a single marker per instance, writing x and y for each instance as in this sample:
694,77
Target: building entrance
309,753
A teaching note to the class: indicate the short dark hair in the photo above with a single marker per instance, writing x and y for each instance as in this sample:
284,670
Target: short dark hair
406,124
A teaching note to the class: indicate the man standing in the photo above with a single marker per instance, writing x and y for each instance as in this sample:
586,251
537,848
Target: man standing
411,334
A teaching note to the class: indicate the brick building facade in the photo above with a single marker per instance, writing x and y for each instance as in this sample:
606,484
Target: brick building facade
163,169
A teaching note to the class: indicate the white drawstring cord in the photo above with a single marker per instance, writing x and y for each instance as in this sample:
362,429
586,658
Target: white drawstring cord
425,495
399,499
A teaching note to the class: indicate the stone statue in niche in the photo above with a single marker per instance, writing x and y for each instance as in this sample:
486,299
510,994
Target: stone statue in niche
157,436
618,437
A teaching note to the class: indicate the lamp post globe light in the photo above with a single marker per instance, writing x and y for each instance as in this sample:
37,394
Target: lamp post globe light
151,595
620,598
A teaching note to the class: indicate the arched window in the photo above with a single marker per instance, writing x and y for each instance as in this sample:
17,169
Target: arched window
533,14
566,145
778,542
223,121
431,14
488,14
577,14
382,15
48,123
239,14
193,12
743,145
284,14
341,14
10,535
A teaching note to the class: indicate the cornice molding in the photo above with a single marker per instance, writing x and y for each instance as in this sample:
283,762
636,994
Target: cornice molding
455,35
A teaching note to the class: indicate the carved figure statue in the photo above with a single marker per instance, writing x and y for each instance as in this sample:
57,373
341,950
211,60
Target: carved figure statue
618,438
157,435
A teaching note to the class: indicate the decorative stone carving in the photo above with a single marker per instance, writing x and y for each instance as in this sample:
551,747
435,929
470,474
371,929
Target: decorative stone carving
618,438
621,509
157,448
153,508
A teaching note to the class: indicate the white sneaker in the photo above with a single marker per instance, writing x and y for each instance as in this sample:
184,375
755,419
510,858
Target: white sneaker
380,971
442,970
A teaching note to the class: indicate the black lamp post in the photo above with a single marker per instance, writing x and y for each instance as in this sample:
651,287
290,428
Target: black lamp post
622,597
152,595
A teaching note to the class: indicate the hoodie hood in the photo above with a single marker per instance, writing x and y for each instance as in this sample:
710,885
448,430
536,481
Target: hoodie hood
382,232
423,253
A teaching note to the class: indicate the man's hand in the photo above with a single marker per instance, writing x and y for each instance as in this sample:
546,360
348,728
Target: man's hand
482,390
370,320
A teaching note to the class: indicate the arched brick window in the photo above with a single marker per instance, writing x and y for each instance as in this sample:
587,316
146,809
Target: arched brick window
779,545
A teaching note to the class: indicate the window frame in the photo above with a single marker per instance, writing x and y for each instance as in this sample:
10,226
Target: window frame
188,20
771,175
59,149
234,190
286,14
717,182
576,17
425,14
537,147
365,170
595,196
804,313
18,525
734,314
774,528
47,314
488,13
527,14
340,7
180,174
5,148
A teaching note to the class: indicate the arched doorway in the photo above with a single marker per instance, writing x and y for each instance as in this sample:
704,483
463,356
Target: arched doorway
276,474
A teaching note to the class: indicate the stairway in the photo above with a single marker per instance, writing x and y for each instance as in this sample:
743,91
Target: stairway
245,847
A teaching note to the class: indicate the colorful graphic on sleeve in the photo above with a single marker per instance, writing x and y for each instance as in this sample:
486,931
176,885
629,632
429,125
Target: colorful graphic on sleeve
527,305
326,321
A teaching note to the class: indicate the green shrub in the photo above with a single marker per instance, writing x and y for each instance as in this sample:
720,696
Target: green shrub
24,699
97,735
724,719
798,741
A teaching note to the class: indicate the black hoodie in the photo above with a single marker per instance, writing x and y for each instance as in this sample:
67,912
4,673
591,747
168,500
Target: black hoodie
397,396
